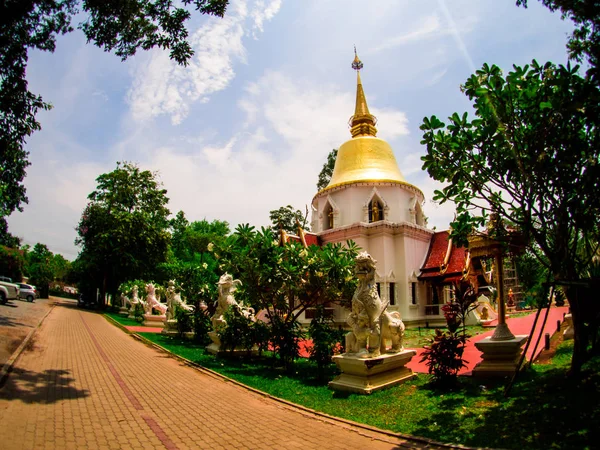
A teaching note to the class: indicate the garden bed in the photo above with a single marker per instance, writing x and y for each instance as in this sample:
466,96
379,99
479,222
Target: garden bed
545,410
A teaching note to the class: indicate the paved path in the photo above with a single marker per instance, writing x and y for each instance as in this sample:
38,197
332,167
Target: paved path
87,384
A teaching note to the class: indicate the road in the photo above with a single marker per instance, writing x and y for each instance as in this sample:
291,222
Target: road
17,319
87,384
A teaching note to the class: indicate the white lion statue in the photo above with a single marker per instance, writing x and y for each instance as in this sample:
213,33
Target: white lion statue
371,324
152,302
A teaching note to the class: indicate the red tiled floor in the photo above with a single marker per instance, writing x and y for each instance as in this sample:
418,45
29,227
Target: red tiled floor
518,325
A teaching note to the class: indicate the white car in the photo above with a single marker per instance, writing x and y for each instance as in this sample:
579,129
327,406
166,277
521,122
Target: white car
27,292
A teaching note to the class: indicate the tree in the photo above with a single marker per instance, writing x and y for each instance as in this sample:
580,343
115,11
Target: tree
532,156
327,170
40,268
12,263
283,281
189,240
286,218
122,26
123,229
584,43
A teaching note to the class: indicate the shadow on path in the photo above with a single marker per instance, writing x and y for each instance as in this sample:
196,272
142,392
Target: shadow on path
44,387
10,322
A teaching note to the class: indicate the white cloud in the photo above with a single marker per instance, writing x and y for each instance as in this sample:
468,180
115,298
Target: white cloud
160,86
264,11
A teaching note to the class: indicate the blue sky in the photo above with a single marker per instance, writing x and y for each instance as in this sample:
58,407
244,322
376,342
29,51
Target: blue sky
247,126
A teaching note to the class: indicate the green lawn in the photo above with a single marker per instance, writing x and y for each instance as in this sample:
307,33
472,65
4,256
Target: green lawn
419,337
546,410
123,320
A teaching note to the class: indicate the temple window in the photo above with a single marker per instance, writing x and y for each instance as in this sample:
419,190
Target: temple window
375,211
392,293
378,289
413,293
328,217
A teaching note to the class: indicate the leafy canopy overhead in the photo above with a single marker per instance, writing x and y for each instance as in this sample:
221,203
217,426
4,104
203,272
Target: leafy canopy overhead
122,26
532,156
584,43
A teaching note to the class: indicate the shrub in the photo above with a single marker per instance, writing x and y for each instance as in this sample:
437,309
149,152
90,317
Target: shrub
239,331
184,320
285,338
202,325
443,356
325,338
138,313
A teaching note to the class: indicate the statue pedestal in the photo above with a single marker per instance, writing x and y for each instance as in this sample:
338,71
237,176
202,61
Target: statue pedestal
215,347
366,375
499,358
569,333
170,328
123,311
151,320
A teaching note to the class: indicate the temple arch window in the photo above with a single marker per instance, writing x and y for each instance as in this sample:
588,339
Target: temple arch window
375,210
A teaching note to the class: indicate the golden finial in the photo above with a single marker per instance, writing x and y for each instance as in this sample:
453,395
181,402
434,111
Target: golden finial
357,63
362,123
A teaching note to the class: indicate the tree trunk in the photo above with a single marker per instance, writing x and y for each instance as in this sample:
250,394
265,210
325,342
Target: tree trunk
577,297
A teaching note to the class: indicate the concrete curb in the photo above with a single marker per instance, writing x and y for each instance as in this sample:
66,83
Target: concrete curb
427,442
7,368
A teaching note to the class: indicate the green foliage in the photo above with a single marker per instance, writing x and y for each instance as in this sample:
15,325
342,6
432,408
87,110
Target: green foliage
189,240
239,332
287,218
202,325
11,263
327,170
521,159
123,229
443,357
7,239
185,320
285,339
40,269
325,339
138,313
584,43
122,26
284,280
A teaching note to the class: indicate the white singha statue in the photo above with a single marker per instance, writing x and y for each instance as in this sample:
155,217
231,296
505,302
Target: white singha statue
135,299
174,301
125,302
227,286
371,324
152,302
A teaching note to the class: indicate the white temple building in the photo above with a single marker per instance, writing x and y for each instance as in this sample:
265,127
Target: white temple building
369,201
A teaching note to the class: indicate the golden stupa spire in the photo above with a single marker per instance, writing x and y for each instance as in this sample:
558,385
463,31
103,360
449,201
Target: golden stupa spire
362,123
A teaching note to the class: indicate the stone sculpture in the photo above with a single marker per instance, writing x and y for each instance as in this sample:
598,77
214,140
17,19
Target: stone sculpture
174,301
227,286
371,324
152,302
368,366
135,300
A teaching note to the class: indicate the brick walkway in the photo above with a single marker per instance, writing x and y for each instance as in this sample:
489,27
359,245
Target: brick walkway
86,384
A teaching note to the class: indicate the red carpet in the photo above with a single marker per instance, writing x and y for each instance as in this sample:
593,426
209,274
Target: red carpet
519,325
141,329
